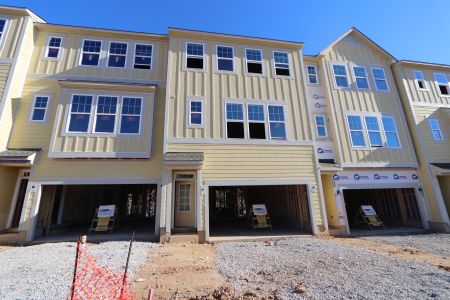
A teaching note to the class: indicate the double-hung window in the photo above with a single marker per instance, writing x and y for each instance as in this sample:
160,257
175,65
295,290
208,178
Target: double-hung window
390,132
39,111
361,78
379,76
436,129
235,120
373,131
105,120
225,58
143,56
80,113
194,56
196,113
340,76
312,75
117,54
442,83
281,61
256,121
130,122
254,61
91,53
53,47
2,29
321,127
420,80
356,131
277,122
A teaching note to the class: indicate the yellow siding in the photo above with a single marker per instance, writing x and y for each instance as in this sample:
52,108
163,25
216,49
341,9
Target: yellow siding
330,201
8,179
6,114
444,183
12,40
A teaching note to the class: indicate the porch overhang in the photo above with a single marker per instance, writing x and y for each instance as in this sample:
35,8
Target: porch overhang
440,168
18,157
183,160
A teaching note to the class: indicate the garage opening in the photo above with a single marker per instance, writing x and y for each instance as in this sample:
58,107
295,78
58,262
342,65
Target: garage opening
230,209
396,207
67,211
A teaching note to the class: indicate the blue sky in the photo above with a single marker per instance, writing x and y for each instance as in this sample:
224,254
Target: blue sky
408,29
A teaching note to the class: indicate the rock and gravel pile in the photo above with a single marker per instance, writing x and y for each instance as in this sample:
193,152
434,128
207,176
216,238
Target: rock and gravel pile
45,271
308,268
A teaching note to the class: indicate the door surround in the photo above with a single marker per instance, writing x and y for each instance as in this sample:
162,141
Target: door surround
184,176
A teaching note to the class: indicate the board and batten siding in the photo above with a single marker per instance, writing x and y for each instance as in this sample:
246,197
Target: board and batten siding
12,40
6,115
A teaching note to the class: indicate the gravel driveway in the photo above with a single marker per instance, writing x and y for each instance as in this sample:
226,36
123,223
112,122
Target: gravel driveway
328,270
45,271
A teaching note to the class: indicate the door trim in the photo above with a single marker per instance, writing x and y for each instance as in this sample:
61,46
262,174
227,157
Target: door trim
23,174
193,179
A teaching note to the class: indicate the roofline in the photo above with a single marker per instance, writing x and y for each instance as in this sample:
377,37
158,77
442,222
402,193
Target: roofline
422,63
26,10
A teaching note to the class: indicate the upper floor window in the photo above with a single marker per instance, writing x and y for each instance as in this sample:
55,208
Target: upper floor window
105,120
2,28
254,61
340,76
442,83
380,79
361,77
143,56
53,47
117,54
277,122
321,127
195,56
312,75
420,80
436,129
196,113
39,109
390,132
225,58
80,113
256,121
356,131
373,131
281,61
91,53
130,122
235,120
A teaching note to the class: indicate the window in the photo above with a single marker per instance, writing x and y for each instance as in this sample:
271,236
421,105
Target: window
442,83
39,109
281,61
340,76
80,113
143,56
196,112
380,79
2,28
256,121
131,115
390,132
105,119
435,129
373,131
254,61
312,75
321,127
361,78
277,123
420,80
194,57
356,131
91,53
53,48
235,120
225,58
117,54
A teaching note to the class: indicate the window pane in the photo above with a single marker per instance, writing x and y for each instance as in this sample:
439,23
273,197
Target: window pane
105,123
311,70
341,81
392,140
252,54
339,70
2,25
92,46
90,59
419,75
130,124
320,120
38,114
276,113
372,123
257,130
118,48
281,58
321,131
357,138
107,105
196,106
54,42
437,135
312,79
375,138
360,71
194,63
255,112
381,85
378,73
354,123
235,130
441,78
53,52
234,111
224,52
195,49
196,118
143,50
131,106
81,103
79,122
362,83
41,102
277,130
225,65
388,124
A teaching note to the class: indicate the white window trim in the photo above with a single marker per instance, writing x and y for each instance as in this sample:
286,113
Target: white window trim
385,79
244,119
46,114
317,75
118,106
265,121
82,52
140,115
232,59
324,125
5,30
439,84
109,54
362,130
357,77
346,76
416,81
195,56
263,69
48,48
284,122
69,116
380,131
396,131
151,57
288,68
188,117
439,129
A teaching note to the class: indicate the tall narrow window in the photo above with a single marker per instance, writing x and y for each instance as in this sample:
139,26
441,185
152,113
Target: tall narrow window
225,58
442,83
196,113
256,121
2,28
281,61
361,78
380,79
373,131
195,56
436,129
130,122
254,61
235,120
340,76
91,53
312,75
143,56
321,127
117,54
80,113
277,122
39,109
356,131
420,80
105,120
53,47
390,132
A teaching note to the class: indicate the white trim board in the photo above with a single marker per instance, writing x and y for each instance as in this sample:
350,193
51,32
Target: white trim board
95,181
231,141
